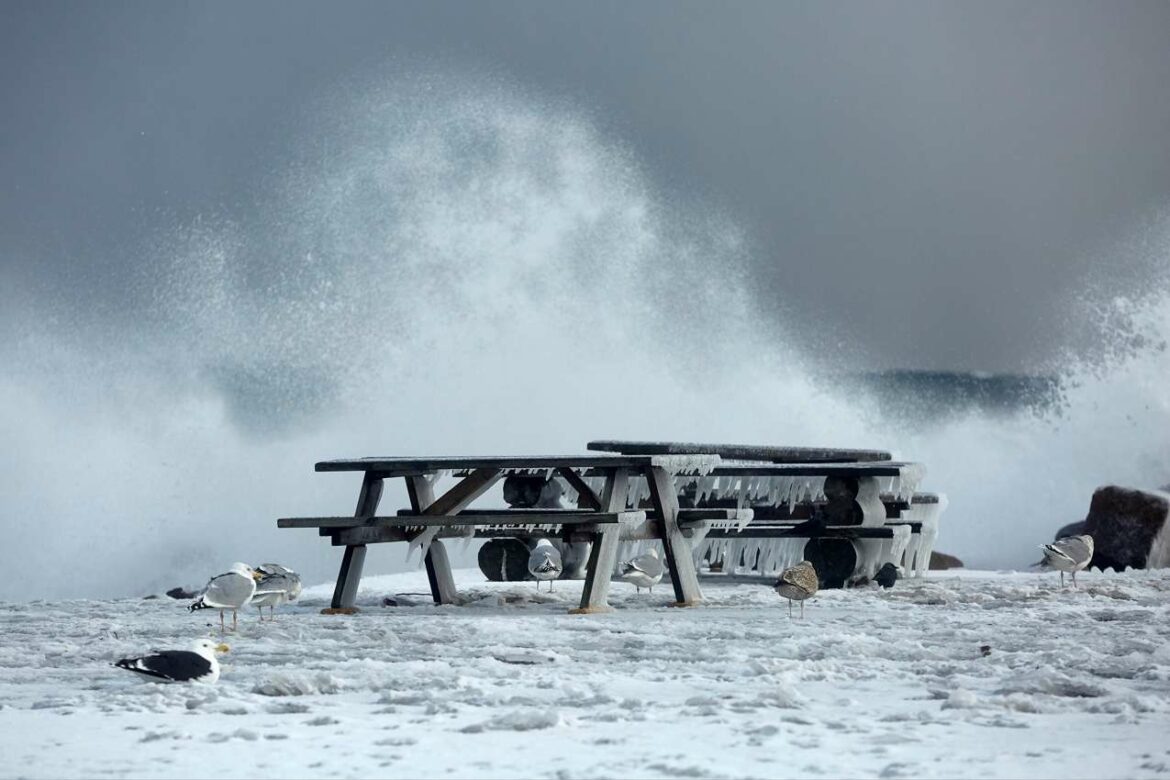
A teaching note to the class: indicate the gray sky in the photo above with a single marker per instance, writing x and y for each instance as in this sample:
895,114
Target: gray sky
932,180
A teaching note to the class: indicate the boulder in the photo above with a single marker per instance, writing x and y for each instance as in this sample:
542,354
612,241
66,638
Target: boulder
940,560
182,594
524,491
504,560
1072,529
1124,524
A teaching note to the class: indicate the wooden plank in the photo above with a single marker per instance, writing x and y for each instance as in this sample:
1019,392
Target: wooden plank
400,467
791,532
350,574
742,451
462,493
586,498
517,517
407,519
855,470
345,521
603,554
684,577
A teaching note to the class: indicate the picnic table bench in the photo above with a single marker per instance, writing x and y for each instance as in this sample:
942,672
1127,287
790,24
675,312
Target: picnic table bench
602,516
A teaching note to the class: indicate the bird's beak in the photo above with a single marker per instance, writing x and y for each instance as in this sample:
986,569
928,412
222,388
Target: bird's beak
256,575
221,648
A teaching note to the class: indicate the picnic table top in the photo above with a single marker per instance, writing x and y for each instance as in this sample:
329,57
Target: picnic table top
742,451
393,466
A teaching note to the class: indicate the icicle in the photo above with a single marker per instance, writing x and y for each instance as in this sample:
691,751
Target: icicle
423,543
699,465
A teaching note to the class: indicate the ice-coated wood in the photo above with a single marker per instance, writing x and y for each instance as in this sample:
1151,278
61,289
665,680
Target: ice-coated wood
741,451
354,557
399,467
683,576
603,555
422,500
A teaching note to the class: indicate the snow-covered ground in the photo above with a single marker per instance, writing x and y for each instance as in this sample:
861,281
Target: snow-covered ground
869,683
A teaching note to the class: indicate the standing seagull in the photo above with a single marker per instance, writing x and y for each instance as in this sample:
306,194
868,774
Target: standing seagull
797,584
195,665
1071,554
544,563
277,585
230,590
645,571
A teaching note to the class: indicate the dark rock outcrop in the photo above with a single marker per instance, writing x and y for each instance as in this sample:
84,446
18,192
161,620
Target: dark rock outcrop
1072,529
1124,523
182,594
940,560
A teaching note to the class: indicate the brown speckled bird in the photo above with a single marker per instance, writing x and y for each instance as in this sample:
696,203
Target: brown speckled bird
797,584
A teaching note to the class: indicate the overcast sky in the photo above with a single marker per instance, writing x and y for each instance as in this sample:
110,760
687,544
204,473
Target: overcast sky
933,179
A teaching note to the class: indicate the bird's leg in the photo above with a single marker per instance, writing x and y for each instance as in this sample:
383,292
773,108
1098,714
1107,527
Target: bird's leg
261,611
789,609
550,586
271,612
1062,579
1074,579
234,625
222,628
802,610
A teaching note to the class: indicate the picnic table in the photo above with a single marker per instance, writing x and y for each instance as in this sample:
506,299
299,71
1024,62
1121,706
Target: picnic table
601,516
858,508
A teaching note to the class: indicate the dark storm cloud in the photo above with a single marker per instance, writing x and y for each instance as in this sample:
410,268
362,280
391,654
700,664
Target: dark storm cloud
928,179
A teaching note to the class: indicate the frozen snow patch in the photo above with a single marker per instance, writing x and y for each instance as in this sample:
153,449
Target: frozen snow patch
297,685
517,721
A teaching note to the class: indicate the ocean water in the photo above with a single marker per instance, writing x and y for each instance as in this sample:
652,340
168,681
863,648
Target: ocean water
454,266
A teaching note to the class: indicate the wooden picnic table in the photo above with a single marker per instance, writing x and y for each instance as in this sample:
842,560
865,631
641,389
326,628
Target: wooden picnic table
853,509
604,515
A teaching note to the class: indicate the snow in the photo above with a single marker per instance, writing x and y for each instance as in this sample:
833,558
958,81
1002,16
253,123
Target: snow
871,683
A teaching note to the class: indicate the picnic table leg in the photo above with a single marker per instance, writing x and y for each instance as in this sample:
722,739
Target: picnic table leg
677,547
603,556
350,575
439,575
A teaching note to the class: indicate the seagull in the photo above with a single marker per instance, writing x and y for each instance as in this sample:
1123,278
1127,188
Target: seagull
277,585
1071,554
797,584
195,665
230,590
644,571
544,563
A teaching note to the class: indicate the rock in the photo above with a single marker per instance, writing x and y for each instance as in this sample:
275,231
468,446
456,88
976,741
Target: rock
887,575
1124,524
182,594
1072,529
940,561
504,560
835,560
523,491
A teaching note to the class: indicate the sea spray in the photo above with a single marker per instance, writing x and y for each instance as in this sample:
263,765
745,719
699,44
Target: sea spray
454,266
